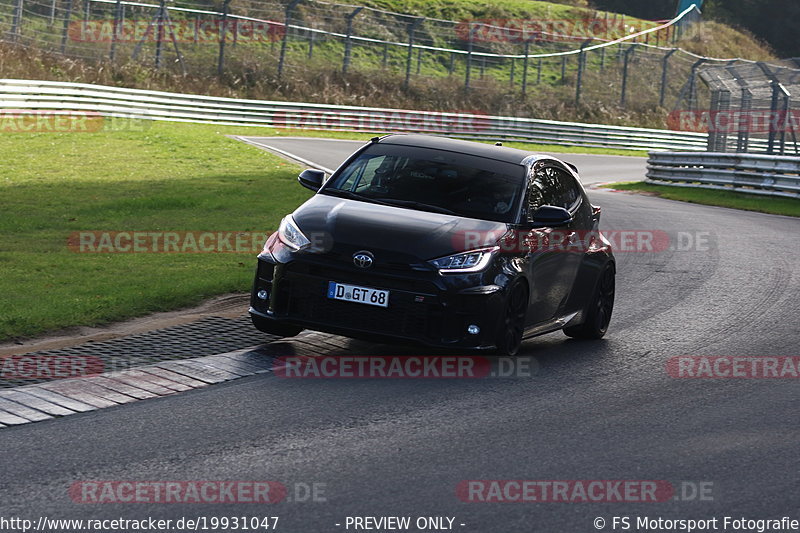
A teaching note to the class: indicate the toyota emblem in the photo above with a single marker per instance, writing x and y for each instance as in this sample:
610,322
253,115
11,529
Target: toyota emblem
363,259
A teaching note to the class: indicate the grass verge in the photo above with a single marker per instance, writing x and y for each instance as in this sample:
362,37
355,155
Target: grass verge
164,177
736,200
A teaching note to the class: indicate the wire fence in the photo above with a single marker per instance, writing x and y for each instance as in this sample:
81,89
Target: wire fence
750,102
600,60
272,38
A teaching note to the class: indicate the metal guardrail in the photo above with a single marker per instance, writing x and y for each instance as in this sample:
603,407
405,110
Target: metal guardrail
751,173
28,96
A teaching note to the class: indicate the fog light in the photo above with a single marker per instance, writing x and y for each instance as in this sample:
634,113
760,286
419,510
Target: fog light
262,294
472,329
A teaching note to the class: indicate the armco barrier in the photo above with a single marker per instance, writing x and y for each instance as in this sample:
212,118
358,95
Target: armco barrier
752,173
29,95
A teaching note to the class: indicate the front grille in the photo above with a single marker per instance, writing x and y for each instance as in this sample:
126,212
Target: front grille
378,277
307,300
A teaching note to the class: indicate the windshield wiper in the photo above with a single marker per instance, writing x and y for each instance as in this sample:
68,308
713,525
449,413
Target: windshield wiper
418,205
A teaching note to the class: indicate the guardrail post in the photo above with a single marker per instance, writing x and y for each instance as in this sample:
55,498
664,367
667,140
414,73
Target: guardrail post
664,68
411,29
16,25
602,59
287,22
624,91
348,42
452,66
525,68
385,54
581,67
65,31
563,69
419,60
312,36
511,76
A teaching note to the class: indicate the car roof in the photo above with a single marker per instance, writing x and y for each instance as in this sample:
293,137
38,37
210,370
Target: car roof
500,153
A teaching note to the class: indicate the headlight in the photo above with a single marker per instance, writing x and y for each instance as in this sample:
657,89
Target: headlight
290,234
472,261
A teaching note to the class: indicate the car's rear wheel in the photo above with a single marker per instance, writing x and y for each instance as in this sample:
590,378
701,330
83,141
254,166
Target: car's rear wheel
512,326
275,328
598,314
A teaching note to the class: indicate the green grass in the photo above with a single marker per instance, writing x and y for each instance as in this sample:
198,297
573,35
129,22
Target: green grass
732,199
177,177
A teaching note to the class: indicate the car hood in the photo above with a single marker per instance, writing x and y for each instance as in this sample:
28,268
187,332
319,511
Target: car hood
346,225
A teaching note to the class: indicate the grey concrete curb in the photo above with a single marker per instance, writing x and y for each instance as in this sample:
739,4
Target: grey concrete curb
42,401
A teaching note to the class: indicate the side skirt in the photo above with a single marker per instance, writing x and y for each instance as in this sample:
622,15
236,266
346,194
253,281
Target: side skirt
547,327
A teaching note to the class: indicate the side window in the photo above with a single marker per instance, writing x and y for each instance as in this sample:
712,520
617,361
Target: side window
552,186
352,175
568,190
543,190
367,172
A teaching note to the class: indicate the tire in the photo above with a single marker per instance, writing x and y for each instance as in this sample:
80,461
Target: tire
275,328
512,326
598,313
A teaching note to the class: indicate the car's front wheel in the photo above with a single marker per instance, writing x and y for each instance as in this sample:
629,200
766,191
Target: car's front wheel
597,315
512,326
275,328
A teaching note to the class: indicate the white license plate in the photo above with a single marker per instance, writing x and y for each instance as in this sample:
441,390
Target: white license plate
354,293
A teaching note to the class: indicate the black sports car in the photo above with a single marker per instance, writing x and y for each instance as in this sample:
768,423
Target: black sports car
444,242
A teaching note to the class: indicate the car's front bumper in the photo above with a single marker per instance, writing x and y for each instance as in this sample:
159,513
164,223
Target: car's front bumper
424,306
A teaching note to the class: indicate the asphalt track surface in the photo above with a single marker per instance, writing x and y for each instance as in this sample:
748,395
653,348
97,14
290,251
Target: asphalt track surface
603,410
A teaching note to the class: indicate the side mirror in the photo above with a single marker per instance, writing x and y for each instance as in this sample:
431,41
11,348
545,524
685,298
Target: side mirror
311,179
550,216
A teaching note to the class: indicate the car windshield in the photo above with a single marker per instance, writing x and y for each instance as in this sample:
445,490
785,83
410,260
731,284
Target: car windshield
432,180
